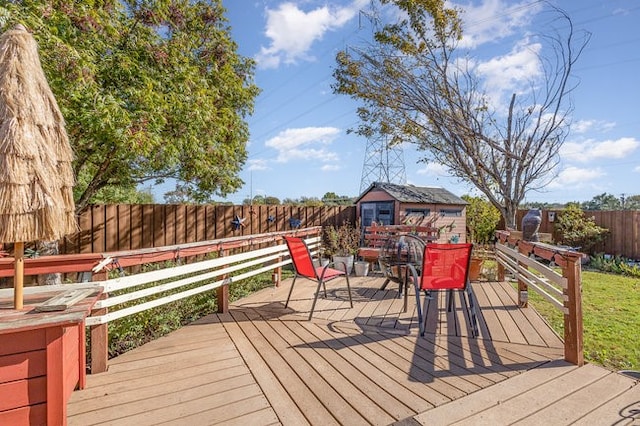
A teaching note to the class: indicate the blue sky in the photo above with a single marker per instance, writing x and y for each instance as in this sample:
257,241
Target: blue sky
299,144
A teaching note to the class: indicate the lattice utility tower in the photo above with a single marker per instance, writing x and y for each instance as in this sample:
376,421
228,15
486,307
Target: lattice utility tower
382,163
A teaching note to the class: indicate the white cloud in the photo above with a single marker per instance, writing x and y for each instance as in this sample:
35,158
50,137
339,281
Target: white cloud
433,169
584,126
293,31
494,20
637,169
330,167
513,71
259,164
589,150
305,144
575,177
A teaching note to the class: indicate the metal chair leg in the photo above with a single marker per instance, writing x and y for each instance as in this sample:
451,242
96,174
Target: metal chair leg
290,291
315,299
472,312
349,290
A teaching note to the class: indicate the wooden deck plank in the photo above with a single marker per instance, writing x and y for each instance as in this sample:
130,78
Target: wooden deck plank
347,391
544,330
319,382
393,408
129,380
296,388
454,359
152,403
262,364
475,403
398,367
287,411
438,367
580,402
254,409
617,409
503,308
495,331
265,417
416,398
533,399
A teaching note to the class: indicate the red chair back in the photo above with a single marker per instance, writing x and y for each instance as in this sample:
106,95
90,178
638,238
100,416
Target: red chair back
445,266
301,257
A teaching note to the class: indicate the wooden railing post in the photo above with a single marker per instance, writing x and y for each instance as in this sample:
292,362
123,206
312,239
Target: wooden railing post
222,292
523,288
99,334
573,327
276,277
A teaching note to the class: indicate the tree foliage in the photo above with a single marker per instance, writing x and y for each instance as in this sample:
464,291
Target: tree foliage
150,90
416,85
577,230
603,201
482,219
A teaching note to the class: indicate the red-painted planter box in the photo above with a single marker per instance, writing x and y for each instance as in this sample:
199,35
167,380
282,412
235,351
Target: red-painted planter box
42,360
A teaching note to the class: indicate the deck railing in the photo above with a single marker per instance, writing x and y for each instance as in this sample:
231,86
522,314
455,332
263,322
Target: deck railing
563,291
236,259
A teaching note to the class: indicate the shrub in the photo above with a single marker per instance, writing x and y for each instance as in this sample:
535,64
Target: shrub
614,264
343,240
482,220
577,230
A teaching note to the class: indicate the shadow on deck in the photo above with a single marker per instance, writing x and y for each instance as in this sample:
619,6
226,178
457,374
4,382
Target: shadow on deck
262,364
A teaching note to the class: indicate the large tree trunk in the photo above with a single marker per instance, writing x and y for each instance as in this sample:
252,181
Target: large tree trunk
49,248
509,214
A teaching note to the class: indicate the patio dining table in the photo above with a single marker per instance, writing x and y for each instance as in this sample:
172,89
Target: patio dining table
396,255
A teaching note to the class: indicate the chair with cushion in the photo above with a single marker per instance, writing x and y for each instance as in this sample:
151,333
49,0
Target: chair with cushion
445,267
304,267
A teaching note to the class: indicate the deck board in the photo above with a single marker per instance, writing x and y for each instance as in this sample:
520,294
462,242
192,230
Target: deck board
262,364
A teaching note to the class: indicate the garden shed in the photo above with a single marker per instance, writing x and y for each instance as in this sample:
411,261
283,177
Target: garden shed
394,204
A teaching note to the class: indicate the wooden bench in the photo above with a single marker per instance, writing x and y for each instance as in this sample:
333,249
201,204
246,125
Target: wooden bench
376,236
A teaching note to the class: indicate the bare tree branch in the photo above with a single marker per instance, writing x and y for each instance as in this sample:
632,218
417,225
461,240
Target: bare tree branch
416,86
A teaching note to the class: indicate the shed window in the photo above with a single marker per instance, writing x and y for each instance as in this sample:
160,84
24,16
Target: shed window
451,212
417,212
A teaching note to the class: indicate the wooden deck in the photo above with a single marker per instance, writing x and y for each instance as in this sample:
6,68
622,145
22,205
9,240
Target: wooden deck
262,364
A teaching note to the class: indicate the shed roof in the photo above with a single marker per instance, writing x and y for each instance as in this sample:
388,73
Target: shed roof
415,194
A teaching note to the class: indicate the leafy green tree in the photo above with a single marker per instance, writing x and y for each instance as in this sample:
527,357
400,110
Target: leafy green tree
310,201
603,201
150,90
272,201
181,194
333,199
631,203
415,85
482,219
290,202
257,200
577,230
123,195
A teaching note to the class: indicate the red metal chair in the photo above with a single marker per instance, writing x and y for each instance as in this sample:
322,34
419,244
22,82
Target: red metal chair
303,264
445,267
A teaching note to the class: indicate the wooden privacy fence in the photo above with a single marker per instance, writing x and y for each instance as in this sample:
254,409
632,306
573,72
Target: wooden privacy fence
117,227
623,226
562,291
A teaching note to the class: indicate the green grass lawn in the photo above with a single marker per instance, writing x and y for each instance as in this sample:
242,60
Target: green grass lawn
611,316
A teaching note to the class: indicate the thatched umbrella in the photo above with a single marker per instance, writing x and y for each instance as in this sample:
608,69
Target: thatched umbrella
36,179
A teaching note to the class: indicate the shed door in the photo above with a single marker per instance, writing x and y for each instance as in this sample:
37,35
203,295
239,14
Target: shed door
380,212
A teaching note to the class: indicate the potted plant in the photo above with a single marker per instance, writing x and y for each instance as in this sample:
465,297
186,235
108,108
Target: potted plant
342,243
475,267
479,255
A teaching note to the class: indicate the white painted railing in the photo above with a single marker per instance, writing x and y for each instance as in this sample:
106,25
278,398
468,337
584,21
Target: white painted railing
193,278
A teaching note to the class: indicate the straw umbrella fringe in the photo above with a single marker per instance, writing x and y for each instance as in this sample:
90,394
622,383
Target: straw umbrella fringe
36,179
